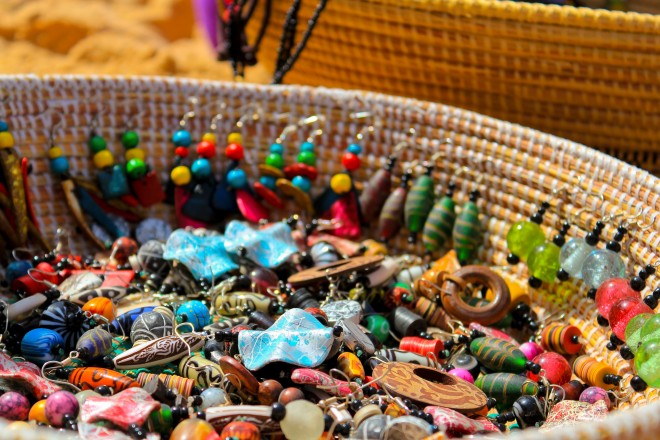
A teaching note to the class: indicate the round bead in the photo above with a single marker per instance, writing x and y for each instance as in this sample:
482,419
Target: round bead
275,160
263,279
350,161
182,138
194,312
594,394
647,362
623,311
201,168
523,237
268,182
180,175
162,420
55,152
530,349
41,345
633,333
135,153
59,165
573,254
182,152
103,159
97,143
543,261
130,139
354,149
4,126
307,147
650,329
136,168
234,151
240,430
276,149
210,137
101,306
341,183
235,138
14,406
462,373
302,182
601,265
303,421
288,395
6,140
269,391
307,157
213,397
557,369
206,149
192,429
610,292
38,412
379,326
237,178
59,404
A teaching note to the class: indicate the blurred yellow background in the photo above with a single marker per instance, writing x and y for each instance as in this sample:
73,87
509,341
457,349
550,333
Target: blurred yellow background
141,37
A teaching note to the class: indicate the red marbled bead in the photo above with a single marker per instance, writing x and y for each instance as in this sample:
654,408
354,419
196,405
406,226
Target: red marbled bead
623,311
610,292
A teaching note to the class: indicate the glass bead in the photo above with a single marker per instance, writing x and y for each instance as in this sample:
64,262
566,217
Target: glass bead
182,138
307,157
633,331
236,178
647,362
601,265
275,160
213,397
557,369
136,168
162,420
303,421
651,328
59,165
97,143
573,254
355,149
201,168
307,147
192,429
609,292
523,237
263,279
130,139
543,261
594,394
3,126
379,326
623,311
268,182
302,182
276,149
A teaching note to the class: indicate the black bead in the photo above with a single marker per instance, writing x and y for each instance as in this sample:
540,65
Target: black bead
536,218
104,390
512,259
600,225
643,274
200,415
612,379
602,321
651,301
528,411
559,240
328,421
501,418
565,227
428,417
591,239
278,411
610,346
638,384
615,340
462,339
534,368
501,426
545,205
621,230
337,330
197,400
649,269
591,294
355,405
449,344
535,282
542,389
637,284
626,353
656,293
474,195
614,246
491,402
562,275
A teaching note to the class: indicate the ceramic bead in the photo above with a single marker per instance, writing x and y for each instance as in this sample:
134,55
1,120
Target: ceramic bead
42,345
195,313
498,355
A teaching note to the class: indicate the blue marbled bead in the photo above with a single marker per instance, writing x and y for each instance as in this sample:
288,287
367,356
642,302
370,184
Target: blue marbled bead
194,312
41,345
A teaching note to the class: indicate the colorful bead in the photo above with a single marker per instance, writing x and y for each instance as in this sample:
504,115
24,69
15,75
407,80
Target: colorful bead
354,149
610,292
633,331
505,387
572,256
55,152
268,182
94,343
439,224
307,157
350,161
594,394
531,349
240,431
498,355
647,362
275,160
41,345
206,149
194,312
59,165
234,152
60,404
462,373
235,138
3,126
182,138
210,137
302,182
135,153
523,237
38,412
556,367
136,168
101,306
593,372
237,178
181,175
543,261
103,159
561,338
418,203
97,143
601,265
276,148
341,183
623,311
130,139
162,420
467,232
201,168
378,326
90,378
182,152
6,140
303,421
14,406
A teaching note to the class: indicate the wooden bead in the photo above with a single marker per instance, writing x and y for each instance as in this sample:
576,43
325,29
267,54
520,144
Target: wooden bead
319,274
290,394
90,378
269,391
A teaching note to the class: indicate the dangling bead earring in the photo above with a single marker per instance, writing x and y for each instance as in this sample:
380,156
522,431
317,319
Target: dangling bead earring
377,188
111,177
440,222
11,170
271,171
576,250
543,260
419,202
524,236
391,216
603,264
467,232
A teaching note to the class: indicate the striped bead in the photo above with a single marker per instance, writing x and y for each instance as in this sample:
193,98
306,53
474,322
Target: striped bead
467,232
419,203
498,355
94,343
559,338
592,371
506,387
439,224
181,384
432,313
89,378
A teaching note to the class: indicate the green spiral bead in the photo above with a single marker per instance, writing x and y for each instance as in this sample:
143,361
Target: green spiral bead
418,203
439,224
506,387
467,232
498,355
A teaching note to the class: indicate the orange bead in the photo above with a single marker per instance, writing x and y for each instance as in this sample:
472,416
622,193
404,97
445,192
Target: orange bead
206,149
101,306
89,378
234,151
192,429
38,412
240,431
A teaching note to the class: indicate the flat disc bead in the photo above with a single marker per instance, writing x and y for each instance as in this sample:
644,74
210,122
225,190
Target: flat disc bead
611,291
634,331
523,237
647,362
543,261
572,256
623,311
601,265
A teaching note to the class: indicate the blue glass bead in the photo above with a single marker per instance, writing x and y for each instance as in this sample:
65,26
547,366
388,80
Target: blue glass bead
182,138
572,256
307,147
17,269
302,182
277,149
237,178
41,345
601,265
4,126
268,181
59,165
194,312
201,168
355,149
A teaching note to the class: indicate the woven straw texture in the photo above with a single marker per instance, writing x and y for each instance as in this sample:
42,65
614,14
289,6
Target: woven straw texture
587,75
515,168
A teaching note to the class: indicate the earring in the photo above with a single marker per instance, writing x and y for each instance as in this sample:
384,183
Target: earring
110,177
377,188
467,231
271,171
440,222
419,203
11,170
391,216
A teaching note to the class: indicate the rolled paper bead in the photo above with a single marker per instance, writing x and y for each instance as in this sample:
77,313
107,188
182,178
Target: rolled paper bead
610,291
90,378
523,237
572,256
594,394
506,387
647,362
498,355
531,349
422,346
601,265
391,216
374,194
556,367
623,311
439,224
183,385
543,261
559,338
592,371
633,331
467,232
418,203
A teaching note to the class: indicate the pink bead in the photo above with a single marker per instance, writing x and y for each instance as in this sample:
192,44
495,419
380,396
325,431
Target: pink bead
594,394
60,404
14,406
556,367
610,292
623,311
462,373
531,349
263,279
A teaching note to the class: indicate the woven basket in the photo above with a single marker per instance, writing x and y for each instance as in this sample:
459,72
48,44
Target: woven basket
519,168
587,75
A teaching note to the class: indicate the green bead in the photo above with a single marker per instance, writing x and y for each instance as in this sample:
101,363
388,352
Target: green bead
633,334
136,168
97,143
647,362
162,419
275,160
418,203
543,261
506,387
307,157
379,327
130,139
650,329
523,237
498,355
467,232
439,224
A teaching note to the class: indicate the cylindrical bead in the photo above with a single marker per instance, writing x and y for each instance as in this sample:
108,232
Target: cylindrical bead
559,338
592,371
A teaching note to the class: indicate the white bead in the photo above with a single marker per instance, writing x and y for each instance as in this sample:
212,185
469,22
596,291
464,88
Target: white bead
601,265
303,421
572,256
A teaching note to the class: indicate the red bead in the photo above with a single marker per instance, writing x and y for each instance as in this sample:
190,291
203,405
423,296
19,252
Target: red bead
350,161
206,149
124,247
234,151
557,369
181,152
610,292
623,311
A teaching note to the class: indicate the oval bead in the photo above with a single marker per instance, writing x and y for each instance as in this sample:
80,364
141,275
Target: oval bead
498,355
439,224
523,237
647,362
557,369
601,265
650,329
505,387
633,331
543,261
42,345
94,343
418,203
467,232
241,431
152,325
101,306
89,378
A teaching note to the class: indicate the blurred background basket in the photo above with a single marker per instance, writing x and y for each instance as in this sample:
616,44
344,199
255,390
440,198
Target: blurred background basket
519,168
589,75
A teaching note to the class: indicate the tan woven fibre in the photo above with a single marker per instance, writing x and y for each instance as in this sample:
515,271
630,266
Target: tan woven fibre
515,168
588,75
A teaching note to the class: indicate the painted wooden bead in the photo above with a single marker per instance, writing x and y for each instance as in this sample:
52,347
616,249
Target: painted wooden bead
14,406
467,232
90,378
391,216
290,394
439,224
561,338
498,355
419,203
60,404
204,372
94,343
505,387
269,391
152,325
240,431
195,313
592,371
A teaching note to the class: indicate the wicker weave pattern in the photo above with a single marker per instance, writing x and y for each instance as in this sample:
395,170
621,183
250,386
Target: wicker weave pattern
519,168
588,75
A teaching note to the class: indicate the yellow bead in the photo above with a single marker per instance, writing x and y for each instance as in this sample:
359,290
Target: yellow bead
180,175
341,183
103,159
38,412
55,152
209,137
235,138
6,139
134,153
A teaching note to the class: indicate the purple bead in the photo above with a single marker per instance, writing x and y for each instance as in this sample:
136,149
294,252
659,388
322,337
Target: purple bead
462,373
594,394
530,349
14,406
60,404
